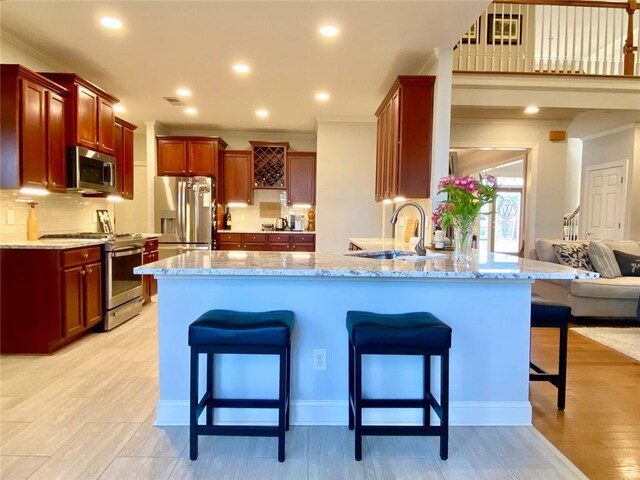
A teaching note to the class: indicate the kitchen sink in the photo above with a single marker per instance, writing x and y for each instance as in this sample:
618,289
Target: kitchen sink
386,255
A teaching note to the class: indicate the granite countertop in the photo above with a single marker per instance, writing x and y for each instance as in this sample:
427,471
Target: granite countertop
298,264
267,231
53,244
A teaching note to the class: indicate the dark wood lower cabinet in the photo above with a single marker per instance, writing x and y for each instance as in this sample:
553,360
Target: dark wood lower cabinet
149,283
273,242
48,298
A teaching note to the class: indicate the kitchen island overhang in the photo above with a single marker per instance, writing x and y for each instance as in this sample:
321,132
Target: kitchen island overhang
487,304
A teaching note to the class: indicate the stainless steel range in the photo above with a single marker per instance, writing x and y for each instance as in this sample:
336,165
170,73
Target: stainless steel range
122,288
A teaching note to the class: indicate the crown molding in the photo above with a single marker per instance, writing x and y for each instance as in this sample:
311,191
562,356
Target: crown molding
17,42
432,59
514,121
611,131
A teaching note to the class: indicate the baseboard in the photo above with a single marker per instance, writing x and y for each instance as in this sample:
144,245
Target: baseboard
334,412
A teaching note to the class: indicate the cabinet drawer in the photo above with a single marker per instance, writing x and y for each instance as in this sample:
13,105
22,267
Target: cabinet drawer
303,238
254,247
303,247
230,237
278,247
229,245
254,237
279,238
81,255
151,245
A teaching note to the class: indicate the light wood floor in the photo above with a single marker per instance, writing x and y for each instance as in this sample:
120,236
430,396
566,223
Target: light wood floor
87,412
599,430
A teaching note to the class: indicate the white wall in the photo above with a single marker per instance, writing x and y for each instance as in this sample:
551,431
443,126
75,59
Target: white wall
618,145
346,166
546,167
574,174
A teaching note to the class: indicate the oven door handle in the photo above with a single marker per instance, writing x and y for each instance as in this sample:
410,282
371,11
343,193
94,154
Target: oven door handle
123,253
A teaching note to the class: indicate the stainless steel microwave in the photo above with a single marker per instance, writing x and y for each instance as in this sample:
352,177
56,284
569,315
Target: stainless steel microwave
90,171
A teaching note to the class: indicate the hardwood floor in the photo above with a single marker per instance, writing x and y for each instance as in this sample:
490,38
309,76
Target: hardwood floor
599,430
87,412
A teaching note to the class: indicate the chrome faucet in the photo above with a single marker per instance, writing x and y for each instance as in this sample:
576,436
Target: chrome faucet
420,249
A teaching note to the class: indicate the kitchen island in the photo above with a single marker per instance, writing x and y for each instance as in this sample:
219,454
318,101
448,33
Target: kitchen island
486,303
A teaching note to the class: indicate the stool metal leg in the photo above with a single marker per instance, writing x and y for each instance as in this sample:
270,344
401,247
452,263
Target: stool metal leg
350,399
444,403
562,367
358,404
210,388
288,382
193,405
426,391
282,405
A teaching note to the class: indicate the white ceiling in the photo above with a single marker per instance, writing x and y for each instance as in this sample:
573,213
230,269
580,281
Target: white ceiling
169,44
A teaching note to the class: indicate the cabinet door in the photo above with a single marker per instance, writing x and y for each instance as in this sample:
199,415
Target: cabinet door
87,126
119,159
201,157
106,127
92,294
393,146
278,247
127,163
56,151
301,177
172,157
72,308
237,176
153,283
34,135
229,246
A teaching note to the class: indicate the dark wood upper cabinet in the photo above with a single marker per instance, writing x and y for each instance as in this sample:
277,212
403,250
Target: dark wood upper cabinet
90,117
237,176
301,177
124,157
32,135
57,160
404,139
189,156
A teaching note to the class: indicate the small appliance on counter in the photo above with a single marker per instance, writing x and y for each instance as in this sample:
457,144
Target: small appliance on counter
268,227
296,222
281,224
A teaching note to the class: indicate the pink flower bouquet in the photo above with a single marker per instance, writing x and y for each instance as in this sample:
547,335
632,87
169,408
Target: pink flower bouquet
465,197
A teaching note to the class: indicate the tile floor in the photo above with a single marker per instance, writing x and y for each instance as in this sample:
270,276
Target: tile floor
87,412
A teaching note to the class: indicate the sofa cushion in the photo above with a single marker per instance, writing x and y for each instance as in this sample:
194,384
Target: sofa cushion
620,287
603,259
629,264
573,255
545,251
626,246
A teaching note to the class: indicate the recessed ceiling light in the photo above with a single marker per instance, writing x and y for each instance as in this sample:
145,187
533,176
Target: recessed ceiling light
329,30
241,68
110,22
190,111
531,109
118,108
322,96
262,113
183,92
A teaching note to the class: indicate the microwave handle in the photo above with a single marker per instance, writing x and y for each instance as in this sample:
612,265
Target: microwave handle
111,168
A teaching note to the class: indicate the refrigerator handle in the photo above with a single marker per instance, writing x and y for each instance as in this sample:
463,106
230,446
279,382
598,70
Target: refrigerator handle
196,205
185,211
179,209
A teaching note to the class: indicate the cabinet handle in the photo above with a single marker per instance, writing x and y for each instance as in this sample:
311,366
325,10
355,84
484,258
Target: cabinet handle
83,272
85,255
46,184
90,270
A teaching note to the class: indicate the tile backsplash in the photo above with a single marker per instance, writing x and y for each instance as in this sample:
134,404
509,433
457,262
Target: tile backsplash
249,219
57,213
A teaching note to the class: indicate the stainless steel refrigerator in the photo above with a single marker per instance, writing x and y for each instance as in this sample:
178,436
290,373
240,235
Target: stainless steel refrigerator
184,214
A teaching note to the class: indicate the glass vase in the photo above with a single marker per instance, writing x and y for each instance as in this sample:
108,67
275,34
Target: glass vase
462,237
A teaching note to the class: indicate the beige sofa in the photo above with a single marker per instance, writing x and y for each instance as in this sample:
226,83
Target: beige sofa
602,297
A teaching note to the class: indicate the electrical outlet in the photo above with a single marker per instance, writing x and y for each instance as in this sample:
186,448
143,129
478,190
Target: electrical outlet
319,359
11,217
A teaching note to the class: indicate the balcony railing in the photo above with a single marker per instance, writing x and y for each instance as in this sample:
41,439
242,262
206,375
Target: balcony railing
553,36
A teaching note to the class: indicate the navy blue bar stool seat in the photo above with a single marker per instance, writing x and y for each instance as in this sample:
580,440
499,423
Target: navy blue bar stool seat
231,332
549,314
417,333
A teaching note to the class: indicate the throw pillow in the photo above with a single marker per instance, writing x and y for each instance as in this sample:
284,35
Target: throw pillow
629,264
603,259
573,255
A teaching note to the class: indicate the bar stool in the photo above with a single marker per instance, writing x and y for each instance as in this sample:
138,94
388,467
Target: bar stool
548,314
399,334
231,332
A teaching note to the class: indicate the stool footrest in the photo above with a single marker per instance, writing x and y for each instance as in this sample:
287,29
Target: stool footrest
238,430
244,403
393,430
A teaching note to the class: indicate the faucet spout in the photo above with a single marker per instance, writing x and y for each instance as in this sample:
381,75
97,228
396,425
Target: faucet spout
420,248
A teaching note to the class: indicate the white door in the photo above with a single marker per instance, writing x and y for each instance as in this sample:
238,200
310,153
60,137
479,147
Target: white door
605,197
